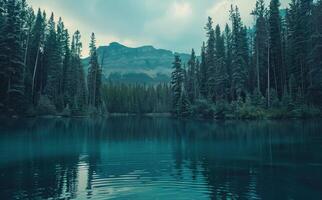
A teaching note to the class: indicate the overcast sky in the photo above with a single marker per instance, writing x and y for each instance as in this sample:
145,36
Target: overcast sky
176,25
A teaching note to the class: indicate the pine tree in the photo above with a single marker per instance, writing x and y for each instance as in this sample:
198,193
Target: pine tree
66,74
275,40
177,79
287,100
34,70
211,60
71,66
258,99
260,45
299,25
228,60
198,81
94,79
80,76
184,105
239,54
27,36
315,61
3,92
11,60
203,75
54,63
221,77
192,78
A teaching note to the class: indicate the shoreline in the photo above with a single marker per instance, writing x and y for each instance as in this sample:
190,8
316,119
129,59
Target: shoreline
158,115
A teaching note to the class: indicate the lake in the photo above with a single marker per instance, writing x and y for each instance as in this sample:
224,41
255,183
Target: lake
160,158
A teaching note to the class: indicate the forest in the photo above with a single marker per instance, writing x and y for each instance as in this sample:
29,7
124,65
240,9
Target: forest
41,71
272,69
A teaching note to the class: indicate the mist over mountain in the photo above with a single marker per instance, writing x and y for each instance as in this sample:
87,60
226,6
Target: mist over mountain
144,64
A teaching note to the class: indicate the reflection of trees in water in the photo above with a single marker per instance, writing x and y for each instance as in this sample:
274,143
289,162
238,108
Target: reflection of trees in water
41,177
93,148
47,153
242,159
237,159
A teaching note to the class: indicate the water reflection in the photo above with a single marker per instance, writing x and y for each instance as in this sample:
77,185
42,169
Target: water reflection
159,158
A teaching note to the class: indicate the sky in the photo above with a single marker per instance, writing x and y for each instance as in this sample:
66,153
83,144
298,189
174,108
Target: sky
176,25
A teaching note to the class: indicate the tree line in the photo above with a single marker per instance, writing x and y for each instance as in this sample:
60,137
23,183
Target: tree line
137,98
271,69
40,65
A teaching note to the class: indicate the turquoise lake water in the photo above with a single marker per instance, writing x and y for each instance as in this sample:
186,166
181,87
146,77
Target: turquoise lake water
160,158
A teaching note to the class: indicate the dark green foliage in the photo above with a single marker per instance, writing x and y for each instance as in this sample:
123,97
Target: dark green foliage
35,71
202,108
247,110
36,63
260,46
192,78
74,78
203,73
228,60
210,58
137,99
271,71
177,84
221,76
54,64
239,55
45,106
94,80
11,60
287,101
315,61
274,100
299,43
258,99
184,106
275,44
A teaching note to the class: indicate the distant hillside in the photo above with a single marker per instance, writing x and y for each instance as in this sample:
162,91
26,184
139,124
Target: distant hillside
144,64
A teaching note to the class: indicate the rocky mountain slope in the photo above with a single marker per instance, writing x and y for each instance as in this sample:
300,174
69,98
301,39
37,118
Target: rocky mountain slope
144,64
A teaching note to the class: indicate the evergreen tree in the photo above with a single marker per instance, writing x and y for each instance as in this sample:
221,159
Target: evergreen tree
177,79
203,75
184,106
75,82
66,74
192,78
287,100
11,60
94,79
211,60
258,99
80,75
3,92
34,69
228,60
221,77
198,81
239,54
54,64
299,25
275,42
315,61
260,45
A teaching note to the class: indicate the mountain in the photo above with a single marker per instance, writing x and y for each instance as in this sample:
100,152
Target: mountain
144,64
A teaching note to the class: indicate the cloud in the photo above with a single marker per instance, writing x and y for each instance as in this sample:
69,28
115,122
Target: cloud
216,12
174,21
181,10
